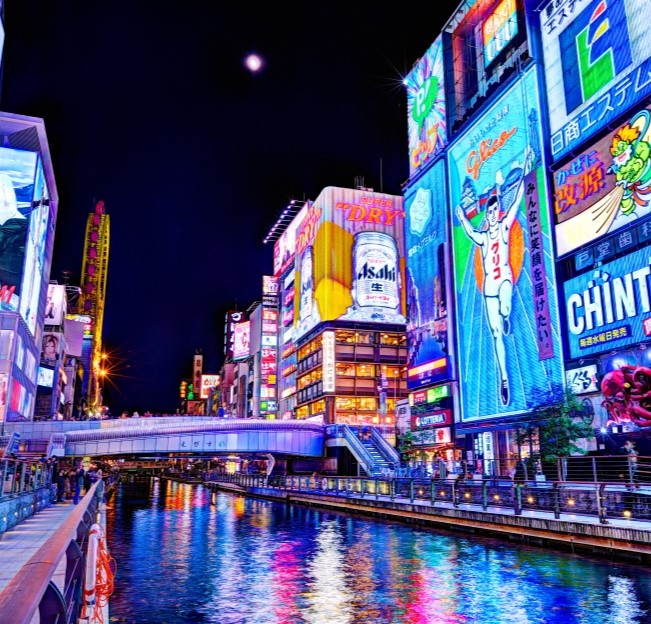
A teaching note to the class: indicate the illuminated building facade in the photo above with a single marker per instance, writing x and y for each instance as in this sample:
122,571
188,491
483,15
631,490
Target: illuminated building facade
94,271
28,216
526,232
339,274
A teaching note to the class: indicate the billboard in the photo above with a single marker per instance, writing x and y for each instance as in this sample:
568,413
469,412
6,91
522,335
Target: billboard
50,347
507,324
285,246
232,318
55,304
597,62
426,108
34,269
208,382
606,187
488,45
609,308
17,171
197,370
426,239
45,377
350,259
241,333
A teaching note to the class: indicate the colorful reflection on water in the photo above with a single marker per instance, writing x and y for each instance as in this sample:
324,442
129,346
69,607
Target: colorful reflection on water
186,555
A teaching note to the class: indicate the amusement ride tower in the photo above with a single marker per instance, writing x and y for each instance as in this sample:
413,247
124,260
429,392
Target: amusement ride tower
94,271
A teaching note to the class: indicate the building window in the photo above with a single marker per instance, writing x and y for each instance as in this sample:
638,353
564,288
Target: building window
366,370
345,370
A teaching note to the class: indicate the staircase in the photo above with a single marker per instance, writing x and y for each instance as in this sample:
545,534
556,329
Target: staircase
378,457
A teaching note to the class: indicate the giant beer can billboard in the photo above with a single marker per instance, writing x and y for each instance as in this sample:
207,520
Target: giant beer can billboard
350,259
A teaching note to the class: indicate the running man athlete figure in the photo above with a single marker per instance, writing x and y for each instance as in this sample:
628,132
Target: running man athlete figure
498,275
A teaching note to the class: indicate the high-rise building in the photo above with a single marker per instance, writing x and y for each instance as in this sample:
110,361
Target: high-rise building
94,271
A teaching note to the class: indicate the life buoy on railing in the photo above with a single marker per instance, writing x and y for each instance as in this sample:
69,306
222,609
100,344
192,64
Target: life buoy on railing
324,484
100,572
91,569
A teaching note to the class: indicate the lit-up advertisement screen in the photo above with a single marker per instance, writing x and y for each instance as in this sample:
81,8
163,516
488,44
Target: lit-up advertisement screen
500,27
509,348
50,347
426,108
55,304
35,252
488,43
45,377
241,333
426,241
17,171
208,382
232,318
610,307
350,259
606,187
597,62
285,246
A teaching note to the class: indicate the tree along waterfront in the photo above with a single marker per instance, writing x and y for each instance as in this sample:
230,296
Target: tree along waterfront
188,555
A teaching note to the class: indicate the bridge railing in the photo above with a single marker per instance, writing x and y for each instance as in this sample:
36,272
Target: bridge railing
631,501
33,589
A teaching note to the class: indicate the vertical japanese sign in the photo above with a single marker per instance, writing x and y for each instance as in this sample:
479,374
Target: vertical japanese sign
328,361
538,271
504,361
597,65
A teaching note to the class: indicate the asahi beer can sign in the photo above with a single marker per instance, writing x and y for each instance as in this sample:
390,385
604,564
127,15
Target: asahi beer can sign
306,285
375,262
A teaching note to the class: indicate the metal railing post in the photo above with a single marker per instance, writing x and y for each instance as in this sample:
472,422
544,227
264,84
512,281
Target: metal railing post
377,489
392,489
557,500
484,495
411,490
601,507
348,487
432,492
517,499
594,469
455,493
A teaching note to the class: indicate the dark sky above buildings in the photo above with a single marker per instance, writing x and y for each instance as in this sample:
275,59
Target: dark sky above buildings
149,107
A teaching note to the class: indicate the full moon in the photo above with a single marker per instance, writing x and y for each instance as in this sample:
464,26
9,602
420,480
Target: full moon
253,63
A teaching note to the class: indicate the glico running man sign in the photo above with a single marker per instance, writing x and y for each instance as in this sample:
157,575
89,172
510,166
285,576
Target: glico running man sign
507,326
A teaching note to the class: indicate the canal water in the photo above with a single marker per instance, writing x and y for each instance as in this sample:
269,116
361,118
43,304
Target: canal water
186,555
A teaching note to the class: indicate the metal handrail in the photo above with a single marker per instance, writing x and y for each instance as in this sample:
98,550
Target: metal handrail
211,426
23,595
386,450
356,445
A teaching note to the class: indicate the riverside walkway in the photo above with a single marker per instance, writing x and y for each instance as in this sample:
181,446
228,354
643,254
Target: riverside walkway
574,517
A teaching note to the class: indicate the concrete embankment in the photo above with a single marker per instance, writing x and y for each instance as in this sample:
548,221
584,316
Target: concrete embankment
620,538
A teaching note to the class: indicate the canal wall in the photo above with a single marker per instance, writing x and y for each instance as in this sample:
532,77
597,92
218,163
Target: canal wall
614,540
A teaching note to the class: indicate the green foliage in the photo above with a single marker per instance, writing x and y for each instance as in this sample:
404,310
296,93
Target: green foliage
555,423
406,442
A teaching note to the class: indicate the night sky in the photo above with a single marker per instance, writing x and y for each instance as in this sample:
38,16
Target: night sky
149,107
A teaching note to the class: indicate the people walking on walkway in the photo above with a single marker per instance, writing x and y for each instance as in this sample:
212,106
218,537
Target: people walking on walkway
79,485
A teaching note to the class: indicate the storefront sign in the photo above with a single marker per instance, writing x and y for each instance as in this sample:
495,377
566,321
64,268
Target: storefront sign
582,380
443,417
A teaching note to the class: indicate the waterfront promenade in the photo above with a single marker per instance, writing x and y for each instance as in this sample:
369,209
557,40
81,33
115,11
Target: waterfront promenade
446,507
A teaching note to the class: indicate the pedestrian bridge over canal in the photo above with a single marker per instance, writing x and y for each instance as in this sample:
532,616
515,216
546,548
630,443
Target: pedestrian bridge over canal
160,436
